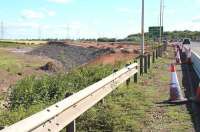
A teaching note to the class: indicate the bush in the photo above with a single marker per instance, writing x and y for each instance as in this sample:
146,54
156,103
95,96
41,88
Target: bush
106,40
33,93
33,90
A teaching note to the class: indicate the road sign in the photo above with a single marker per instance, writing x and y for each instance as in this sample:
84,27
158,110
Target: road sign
154,32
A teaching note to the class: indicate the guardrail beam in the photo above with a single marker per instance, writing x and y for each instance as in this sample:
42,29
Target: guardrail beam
59,115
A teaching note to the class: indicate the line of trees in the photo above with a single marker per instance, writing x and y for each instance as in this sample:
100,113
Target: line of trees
193,35
170,35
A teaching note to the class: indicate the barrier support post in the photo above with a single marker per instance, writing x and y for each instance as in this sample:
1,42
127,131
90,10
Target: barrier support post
72,126
145,64
136,74
153,58
149,61
141,64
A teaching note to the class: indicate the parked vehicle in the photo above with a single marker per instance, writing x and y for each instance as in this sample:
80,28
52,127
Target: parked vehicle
186,41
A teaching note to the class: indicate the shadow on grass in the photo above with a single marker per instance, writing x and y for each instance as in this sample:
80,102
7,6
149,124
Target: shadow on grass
168,103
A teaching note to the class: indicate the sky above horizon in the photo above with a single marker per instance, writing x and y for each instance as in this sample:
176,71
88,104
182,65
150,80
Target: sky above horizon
92,18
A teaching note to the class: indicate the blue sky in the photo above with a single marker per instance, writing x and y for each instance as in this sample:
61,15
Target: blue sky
92,18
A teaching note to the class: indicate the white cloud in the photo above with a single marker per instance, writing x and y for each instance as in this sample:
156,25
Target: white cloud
60,1
51,13
184,26
48,12
198,1
196,19
124,10
30,14
39,14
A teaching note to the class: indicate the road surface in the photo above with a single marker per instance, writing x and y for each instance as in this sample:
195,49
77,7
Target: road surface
195,46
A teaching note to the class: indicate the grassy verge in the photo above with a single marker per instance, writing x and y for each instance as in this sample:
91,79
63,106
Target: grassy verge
11,45
9,62
33,94
20,44
136,108
131,108
14,64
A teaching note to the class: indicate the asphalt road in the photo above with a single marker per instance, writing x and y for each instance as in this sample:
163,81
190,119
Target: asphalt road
195,46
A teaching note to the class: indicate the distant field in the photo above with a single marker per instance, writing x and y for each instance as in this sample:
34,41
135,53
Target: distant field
22,42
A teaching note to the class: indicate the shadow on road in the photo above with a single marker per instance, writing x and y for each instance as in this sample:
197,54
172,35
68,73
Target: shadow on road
190,82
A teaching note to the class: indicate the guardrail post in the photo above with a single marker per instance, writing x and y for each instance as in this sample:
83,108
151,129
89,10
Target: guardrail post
136,74
129,79
72,126
149,61
153,58
2,127
161,51
145,64
141,64
156,53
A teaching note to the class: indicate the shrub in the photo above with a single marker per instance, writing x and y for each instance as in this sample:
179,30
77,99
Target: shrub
33,90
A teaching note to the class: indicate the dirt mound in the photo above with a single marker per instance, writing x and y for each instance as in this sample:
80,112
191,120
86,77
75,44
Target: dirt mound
52,67
69,55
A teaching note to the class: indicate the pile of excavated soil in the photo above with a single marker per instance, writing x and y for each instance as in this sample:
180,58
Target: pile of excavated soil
69,55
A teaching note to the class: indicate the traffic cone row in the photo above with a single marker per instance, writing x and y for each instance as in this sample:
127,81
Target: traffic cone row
175,90
176,95
179,49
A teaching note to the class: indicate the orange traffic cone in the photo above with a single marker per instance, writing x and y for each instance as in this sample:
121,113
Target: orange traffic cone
178,58
175,90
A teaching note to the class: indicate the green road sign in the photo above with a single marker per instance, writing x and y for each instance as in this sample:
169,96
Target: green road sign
154,32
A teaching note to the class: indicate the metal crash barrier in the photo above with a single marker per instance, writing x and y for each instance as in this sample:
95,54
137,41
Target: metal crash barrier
59,115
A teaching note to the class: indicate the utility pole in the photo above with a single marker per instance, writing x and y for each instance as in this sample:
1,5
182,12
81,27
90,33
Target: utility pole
39,32
161,10
68,30
2,30
142,29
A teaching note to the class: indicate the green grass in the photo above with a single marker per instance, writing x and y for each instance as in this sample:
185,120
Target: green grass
134,108
19,44
9,63
10,44
14,63
131,108
32,94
